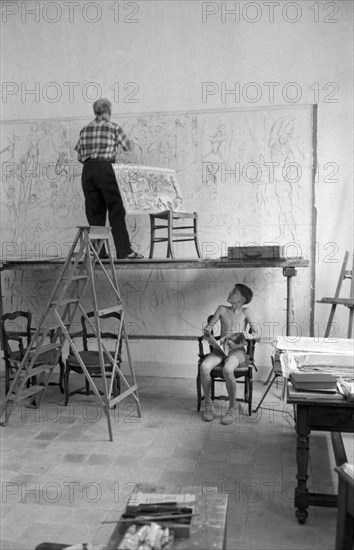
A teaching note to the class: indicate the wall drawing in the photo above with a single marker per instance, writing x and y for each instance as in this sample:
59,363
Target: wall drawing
246,172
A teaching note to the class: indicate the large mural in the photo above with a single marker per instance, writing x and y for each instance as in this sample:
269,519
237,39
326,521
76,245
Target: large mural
248,173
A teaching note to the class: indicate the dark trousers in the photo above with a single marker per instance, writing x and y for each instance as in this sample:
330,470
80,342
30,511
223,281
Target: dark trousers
101,193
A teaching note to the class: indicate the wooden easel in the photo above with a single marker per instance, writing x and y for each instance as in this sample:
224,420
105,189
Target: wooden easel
336,300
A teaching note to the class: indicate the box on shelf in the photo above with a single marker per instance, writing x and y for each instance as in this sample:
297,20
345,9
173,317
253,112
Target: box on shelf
271,252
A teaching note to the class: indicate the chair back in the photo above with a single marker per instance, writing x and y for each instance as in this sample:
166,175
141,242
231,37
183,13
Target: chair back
113,332
16,327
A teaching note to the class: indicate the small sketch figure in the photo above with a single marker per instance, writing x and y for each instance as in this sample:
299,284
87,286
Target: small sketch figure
61,166
219,145
220,142
30,173
285,171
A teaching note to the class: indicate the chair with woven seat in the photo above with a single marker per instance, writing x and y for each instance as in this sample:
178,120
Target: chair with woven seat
16,333
91,357
244,371
173,230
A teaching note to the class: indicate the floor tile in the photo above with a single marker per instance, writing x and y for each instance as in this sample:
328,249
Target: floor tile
63,476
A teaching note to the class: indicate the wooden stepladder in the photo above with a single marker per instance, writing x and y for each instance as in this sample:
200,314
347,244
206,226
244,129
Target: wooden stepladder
65,302
337,300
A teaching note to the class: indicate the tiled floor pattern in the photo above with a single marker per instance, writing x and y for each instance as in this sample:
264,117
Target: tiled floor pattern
61,476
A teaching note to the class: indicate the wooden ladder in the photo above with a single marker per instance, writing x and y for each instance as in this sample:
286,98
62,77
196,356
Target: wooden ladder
65,302
336,300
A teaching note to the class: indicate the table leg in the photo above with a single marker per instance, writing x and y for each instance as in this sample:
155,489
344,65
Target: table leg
289,273
302,460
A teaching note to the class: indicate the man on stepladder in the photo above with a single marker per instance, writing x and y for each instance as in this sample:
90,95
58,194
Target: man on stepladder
96,150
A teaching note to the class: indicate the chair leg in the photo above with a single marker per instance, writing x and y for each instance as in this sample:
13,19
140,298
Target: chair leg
170,250
61,375
66,385
199,390
250,394
7,379
152,236
196,242
212,389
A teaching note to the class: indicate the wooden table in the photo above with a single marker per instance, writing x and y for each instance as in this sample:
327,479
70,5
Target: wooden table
208,527
324,414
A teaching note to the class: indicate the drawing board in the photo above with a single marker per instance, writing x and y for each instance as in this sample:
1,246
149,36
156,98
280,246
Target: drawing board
145,189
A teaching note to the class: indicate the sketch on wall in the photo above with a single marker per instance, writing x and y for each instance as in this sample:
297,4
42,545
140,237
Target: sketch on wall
145,189
248,173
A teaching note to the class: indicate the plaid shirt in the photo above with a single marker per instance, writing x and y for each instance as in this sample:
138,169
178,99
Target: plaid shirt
100,140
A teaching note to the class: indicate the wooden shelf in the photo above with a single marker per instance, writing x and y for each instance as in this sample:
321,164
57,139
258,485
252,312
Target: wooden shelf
166,263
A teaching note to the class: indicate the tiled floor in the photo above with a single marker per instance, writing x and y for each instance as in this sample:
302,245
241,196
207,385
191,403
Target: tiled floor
61,476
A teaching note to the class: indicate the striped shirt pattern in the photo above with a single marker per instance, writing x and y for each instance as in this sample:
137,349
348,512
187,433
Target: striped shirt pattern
100,140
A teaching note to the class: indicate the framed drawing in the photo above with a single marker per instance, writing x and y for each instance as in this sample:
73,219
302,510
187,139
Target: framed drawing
145,189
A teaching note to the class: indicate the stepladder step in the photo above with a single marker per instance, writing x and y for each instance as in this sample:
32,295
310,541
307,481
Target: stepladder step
66,302
44,349
35,371
76,278
33,390
99,233
107,310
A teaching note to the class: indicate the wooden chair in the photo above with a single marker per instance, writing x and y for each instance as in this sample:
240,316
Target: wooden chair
173,230
345,508
91,357
16,332
244,371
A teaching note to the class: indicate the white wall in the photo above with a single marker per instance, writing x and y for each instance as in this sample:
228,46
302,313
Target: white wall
168,52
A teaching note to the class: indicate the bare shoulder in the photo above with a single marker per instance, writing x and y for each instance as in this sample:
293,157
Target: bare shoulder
248,312
223,309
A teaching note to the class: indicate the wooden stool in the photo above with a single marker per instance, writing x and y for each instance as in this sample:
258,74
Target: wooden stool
174,233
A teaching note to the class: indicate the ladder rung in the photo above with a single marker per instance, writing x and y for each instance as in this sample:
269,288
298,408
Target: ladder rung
38,370
47,347
107,310
29,391
100,233
66,302
75,278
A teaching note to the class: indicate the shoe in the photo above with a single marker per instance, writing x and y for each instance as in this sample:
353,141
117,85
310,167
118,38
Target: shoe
208,414
133,256
103,256
229,417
